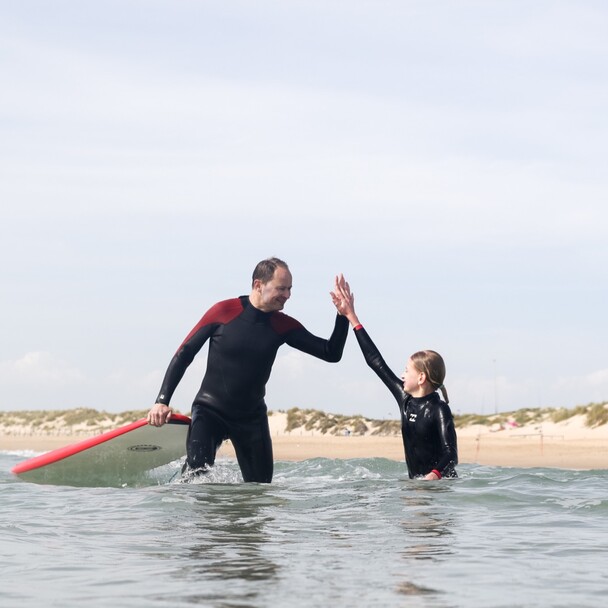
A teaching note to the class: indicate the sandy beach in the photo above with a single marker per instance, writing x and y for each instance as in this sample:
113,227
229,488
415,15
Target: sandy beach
569,444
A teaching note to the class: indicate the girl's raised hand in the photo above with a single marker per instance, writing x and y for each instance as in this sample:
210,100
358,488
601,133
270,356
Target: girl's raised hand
343,298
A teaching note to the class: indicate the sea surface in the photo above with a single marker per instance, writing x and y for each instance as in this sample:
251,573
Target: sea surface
324,533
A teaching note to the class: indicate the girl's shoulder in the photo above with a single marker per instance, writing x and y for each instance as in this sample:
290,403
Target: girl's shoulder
439,404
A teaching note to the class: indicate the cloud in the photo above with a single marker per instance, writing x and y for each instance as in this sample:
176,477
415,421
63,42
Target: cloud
42,370
598,378
146,383
451,164
593,387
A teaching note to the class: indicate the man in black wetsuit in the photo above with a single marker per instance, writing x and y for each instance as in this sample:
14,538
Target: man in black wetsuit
244,335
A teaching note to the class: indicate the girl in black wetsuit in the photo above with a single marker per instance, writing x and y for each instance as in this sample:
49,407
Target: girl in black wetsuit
427,424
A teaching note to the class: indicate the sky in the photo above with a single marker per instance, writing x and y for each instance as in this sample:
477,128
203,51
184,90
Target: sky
448,157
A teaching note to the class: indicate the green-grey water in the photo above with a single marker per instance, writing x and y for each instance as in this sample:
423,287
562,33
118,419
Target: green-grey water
324,533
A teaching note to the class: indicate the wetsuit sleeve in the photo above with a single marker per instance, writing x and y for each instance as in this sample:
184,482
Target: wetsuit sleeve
181,360
447,439
329,350
374,359
222,312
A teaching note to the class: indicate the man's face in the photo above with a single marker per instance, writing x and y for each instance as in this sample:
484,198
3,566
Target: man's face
276,292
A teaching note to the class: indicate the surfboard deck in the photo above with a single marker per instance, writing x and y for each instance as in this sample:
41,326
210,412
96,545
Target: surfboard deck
118,457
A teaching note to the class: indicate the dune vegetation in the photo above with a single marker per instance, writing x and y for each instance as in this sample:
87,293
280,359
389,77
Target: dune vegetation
595,414
89,421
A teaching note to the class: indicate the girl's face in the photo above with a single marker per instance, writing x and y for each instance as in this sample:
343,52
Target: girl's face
413,379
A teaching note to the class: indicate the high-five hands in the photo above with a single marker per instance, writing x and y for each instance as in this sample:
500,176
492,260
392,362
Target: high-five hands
344,299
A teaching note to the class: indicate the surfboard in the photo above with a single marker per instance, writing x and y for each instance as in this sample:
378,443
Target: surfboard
119,457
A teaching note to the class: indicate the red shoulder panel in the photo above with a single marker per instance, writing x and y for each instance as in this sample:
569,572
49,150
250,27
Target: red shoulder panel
222,312
282,323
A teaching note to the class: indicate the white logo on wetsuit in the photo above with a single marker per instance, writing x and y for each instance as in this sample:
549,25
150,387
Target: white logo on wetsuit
412,417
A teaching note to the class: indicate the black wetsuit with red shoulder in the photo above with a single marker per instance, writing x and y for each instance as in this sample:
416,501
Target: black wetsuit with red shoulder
243,343
427,424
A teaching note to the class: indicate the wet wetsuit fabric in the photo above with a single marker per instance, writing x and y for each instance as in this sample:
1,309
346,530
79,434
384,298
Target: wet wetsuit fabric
243,343
427,424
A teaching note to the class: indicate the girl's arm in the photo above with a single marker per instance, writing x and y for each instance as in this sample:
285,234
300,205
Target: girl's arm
344,301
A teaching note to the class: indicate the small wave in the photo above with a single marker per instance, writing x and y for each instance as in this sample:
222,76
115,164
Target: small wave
340,469
223,472
20,453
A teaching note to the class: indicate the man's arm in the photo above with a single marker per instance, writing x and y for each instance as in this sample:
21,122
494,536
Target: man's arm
222,312
329,350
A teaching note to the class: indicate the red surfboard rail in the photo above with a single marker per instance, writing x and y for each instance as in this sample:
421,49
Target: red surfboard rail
69,450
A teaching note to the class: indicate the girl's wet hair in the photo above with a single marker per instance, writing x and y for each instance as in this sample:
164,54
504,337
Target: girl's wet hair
264,270
433,366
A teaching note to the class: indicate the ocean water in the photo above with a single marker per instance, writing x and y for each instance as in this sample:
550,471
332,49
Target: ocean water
324,533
